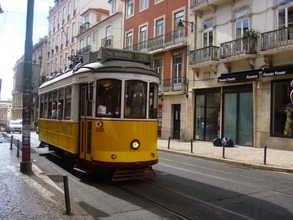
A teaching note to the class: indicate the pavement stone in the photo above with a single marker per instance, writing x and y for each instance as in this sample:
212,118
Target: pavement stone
36,196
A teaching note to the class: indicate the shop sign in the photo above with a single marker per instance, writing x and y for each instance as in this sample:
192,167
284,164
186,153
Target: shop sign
277,71
236,77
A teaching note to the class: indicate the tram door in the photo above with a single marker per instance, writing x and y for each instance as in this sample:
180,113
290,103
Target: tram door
85,122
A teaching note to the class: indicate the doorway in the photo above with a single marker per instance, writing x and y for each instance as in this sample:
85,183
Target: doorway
176,121
238,115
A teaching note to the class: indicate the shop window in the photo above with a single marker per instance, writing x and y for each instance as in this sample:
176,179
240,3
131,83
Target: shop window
282,109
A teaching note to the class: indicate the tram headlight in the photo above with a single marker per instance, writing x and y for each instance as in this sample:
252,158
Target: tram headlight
135,144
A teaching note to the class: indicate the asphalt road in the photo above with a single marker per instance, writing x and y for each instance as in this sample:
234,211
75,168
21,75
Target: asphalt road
185,188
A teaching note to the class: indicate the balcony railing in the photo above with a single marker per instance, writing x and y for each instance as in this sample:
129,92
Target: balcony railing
84,50
195,3
238,47
174,37
204,54
160,42
84,27
156,42
173,85
277,38
107,41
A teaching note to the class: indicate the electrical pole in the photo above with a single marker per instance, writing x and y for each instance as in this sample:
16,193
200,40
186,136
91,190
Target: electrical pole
26,164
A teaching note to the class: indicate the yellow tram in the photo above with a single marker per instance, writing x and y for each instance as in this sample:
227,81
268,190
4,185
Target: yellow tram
104,114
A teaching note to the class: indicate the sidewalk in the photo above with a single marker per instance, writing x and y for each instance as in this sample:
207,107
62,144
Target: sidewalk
30,196
36,196
276,160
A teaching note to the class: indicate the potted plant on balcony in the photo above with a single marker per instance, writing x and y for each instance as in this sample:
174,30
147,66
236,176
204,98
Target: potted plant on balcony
56,46
249,40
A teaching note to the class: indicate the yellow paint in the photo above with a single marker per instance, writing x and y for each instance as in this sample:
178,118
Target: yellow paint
59,133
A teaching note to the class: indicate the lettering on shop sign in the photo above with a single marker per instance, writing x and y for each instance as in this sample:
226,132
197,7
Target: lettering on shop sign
275,73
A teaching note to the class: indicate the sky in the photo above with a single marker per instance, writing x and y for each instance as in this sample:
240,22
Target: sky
12,36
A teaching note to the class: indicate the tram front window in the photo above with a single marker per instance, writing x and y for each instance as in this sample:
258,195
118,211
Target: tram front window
108,98
135,99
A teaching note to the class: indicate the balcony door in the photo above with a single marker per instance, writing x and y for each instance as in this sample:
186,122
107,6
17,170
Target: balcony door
177,73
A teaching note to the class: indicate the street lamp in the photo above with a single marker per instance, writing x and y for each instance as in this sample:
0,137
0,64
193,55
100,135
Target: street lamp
180,25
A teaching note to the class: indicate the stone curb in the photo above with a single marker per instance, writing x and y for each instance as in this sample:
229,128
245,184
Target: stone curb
233,162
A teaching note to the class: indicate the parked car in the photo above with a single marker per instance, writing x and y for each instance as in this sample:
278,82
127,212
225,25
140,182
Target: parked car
14,126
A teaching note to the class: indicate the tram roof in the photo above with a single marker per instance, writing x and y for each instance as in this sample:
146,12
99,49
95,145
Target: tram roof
119,66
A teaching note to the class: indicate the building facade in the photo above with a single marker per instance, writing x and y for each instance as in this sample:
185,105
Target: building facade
240,72
151,26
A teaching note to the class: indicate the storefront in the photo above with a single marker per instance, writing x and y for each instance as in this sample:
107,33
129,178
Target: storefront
281,100
226,111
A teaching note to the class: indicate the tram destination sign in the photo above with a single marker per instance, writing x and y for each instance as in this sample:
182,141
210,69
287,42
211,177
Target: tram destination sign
106,54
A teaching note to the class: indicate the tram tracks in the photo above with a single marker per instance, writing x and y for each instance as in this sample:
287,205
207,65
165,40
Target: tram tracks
203,209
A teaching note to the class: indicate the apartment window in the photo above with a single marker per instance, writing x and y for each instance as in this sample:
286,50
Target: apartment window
108,30
80,44
207,34
177,72
61,63
113,7
177,17
285,17
73,31
50,27
242,22
74,7
66,60
59,19
56,64
94,36
144,4
52,70
143,37
158,66
54,25
159,27
67,35
129,41
281,111
64,15
61,40
69,11
130,8
88,40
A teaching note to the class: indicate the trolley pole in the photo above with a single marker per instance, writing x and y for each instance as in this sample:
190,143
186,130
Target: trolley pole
26,164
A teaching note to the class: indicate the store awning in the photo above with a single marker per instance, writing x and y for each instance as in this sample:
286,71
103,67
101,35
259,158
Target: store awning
277,71
239,76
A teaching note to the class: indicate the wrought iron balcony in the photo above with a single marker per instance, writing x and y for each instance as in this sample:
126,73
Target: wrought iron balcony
277,38
196,3
107,41
238,47
156,42
84,27
175,37
173,85
203,55
84,50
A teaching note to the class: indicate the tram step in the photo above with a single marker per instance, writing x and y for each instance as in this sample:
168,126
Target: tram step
133,173
86,170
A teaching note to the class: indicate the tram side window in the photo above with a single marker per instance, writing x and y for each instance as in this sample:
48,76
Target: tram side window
135,99
42,107
153,101
67,107
108,98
